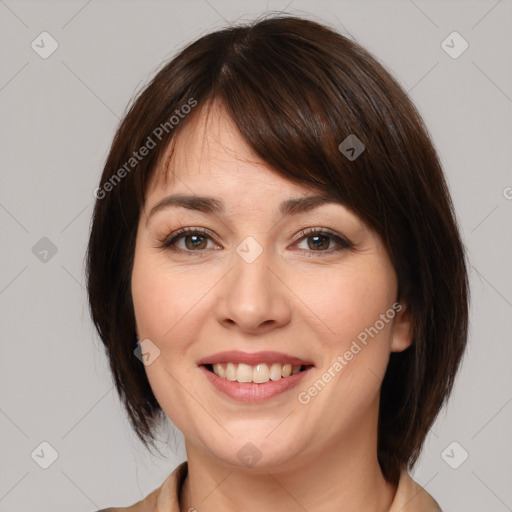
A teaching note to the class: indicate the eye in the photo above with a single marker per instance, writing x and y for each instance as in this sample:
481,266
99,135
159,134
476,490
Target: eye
195,240
318,240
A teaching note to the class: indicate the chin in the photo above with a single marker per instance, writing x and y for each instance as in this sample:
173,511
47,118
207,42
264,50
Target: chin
254,449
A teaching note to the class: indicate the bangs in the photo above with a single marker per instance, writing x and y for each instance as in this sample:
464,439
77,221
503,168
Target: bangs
294,104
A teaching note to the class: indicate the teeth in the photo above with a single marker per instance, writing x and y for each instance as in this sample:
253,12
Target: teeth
219,370
244,373
295,369
230,372
275,371
259,373
287,370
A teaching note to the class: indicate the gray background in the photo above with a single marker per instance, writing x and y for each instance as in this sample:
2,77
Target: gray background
58,117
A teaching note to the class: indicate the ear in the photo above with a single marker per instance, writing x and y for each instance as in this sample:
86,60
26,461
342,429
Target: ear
402,328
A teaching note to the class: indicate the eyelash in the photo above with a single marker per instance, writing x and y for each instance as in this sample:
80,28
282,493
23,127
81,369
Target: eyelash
170,241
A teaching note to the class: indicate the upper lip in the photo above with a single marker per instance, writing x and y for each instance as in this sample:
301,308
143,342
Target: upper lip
252,358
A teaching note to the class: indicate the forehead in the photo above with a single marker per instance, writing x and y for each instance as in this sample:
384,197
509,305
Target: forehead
210,152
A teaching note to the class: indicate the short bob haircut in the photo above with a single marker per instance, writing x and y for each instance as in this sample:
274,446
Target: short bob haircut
296,89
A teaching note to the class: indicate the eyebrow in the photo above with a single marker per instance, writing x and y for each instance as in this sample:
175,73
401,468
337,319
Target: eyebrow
208,204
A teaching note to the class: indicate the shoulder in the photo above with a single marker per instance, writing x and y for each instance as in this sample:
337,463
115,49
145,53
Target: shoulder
165,497
411,497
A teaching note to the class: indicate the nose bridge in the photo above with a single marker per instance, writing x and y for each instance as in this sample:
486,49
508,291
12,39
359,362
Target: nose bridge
250,280
252,295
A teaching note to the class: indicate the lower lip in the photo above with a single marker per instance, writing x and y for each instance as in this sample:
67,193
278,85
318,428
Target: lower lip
250,391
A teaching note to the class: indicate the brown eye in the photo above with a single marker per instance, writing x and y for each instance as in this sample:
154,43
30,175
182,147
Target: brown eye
195,240
319,241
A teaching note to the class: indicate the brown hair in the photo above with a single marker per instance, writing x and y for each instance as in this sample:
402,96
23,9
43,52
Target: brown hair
296,89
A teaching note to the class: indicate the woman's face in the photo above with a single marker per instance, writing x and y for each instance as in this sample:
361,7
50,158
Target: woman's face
248,290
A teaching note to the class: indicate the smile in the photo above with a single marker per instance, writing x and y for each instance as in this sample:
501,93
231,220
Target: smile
253,377
258,374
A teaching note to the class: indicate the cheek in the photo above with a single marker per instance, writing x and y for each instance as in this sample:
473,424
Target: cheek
152,300
348,302
355,347
160,297
164,312
355,342
170,305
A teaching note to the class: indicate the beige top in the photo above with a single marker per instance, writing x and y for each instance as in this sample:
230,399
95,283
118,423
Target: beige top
409,497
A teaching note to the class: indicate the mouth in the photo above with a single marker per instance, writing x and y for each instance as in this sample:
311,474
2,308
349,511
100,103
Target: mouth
253,377
258,374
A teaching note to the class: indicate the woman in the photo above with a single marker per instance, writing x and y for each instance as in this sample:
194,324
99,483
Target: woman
275,266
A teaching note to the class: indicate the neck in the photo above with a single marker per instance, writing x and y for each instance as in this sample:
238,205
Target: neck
345,478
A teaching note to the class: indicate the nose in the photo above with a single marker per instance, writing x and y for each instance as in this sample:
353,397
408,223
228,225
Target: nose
253,297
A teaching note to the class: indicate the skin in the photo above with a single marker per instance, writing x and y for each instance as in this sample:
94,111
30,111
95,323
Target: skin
294,298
